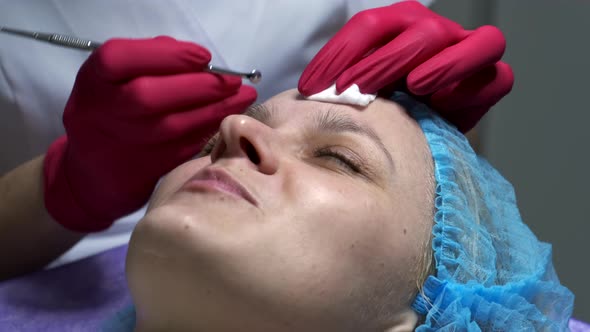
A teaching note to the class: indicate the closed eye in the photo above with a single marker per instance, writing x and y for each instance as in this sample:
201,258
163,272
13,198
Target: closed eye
348,160
352,163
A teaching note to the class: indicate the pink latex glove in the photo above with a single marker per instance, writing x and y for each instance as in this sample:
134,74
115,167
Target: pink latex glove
456,71
138,109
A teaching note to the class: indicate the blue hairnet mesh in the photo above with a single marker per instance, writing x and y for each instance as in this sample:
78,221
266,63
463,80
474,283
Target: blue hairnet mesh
492,274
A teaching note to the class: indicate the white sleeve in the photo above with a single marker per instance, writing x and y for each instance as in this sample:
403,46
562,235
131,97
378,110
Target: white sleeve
14,145
355,6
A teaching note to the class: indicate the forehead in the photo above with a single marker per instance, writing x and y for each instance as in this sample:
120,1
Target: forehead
398,131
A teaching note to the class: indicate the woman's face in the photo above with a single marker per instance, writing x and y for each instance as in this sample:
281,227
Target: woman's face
306,216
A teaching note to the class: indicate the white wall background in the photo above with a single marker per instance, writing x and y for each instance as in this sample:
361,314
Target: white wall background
539,136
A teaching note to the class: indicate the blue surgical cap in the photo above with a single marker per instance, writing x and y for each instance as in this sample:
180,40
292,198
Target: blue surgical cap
492,273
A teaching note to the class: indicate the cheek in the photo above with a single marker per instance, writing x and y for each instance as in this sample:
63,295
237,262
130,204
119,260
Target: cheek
345,245
354,228
340,223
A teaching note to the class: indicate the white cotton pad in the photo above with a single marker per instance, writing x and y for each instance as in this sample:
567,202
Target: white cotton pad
351,96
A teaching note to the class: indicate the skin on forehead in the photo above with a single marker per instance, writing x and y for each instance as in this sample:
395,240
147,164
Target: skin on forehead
322,245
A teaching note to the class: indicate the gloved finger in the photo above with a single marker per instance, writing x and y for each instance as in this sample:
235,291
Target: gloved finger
465,102
160,94
206,120
466,119
182,148
396,59
203,120
362,33
486,87
123,59
482,48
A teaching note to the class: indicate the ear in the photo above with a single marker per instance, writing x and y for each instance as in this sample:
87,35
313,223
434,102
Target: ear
406,321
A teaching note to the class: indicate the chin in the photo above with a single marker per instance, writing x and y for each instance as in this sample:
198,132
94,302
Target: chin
197,230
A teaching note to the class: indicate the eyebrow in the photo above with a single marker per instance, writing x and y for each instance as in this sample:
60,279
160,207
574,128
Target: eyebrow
260,113
329,120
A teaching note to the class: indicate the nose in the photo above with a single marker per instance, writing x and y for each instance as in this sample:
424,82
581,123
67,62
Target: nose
243,137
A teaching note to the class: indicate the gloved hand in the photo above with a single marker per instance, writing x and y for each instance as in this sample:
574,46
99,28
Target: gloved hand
138,109
405,45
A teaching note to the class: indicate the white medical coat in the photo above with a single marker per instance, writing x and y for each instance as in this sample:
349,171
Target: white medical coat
278,37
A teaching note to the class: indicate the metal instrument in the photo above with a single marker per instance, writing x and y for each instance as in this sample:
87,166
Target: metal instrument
88,45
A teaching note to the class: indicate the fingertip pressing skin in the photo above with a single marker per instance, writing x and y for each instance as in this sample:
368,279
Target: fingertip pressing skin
406,44
364,32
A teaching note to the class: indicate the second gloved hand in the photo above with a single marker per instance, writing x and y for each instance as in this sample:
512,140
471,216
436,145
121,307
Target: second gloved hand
138,109
456,71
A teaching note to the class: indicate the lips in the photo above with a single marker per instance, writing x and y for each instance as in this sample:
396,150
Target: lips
218,180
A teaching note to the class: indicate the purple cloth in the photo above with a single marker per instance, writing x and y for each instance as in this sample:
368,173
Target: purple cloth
578,326
79,296
83,296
